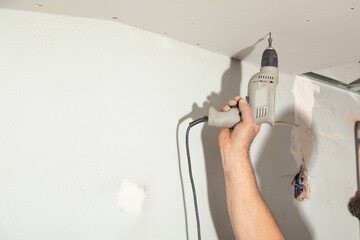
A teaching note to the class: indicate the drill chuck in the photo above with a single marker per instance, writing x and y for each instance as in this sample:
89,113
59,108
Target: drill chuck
269,58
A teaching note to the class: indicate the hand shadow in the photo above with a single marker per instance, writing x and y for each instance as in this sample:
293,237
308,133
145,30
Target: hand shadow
275,170
209,135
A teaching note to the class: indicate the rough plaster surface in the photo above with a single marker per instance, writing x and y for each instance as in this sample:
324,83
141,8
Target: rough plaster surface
86,104
303,145
302,140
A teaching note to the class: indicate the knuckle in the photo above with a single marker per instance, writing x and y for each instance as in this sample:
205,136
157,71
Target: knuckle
250,125
232,102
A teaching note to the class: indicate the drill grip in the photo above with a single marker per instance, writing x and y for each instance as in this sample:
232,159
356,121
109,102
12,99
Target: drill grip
224,119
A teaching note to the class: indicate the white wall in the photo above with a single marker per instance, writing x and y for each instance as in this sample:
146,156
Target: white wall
86,104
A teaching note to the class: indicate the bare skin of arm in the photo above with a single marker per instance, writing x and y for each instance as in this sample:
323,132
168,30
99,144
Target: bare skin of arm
250,217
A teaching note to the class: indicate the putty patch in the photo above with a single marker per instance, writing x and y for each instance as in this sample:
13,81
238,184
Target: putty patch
130,198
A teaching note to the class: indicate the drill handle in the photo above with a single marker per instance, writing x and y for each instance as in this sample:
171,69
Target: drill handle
224,119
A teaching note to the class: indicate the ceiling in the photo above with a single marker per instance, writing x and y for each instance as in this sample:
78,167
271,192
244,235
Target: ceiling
320,36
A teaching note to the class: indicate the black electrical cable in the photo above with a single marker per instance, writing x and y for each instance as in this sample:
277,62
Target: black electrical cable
191,124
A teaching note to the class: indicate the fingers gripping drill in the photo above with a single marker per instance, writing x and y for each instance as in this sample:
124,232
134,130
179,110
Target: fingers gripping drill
261,94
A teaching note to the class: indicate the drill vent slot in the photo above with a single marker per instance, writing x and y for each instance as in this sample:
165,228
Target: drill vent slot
261,112
265,77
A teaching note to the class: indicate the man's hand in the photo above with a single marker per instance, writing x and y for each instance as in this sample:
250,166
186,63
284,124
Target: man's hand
239,139
250,217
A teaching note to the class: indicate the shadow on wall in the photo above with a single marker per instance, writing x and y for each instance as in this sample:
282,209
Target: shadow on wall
275,170
275,161
215,180
230,87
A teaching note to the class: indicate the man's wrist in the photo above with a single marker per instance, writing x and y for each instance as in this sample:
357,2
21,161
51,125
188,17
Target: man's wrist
233,161
233,154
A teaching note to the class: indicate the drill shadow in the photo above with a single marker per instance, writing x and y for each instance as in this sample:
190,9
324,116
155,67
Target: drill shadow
242,54
275,162
214,171
209,135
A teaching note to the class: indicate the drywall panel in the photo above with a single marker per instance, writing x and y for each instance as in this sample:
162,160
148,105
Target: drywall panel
309,35
93,116
326,140
89,111
346,73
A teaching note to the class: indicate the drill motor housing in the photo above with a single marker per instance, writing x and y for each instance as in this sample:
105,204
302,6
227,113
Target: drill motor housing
261,95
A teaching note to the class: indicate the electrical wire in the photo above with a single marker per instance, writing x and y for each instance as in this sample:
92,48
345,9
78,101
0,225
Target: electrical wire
287,123
191,124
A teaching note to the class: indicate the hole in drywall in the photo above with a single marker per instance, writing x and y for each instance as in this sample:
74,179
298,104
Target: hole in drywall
37,5
197,44
352,9
307,21
114,18
164,33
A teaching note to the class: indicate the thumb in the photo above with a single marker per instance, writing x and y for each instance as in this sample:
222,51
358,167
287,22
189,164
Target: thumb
246,112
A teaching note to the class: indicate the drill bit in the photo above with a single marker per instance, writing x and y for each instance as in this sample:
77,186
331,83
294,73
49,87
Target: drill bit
270,40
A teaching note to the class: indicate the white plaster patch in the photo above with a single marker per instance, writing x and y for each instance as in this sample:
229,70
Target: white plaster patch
130,198
302,138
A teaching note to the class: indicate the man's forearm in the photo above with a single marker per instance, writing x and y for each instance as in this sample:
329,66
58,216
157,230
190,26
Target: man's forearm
249,215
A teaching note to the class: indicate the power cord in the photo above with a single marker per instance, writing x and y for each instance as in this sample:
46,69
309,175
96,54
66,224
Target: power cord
191,124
